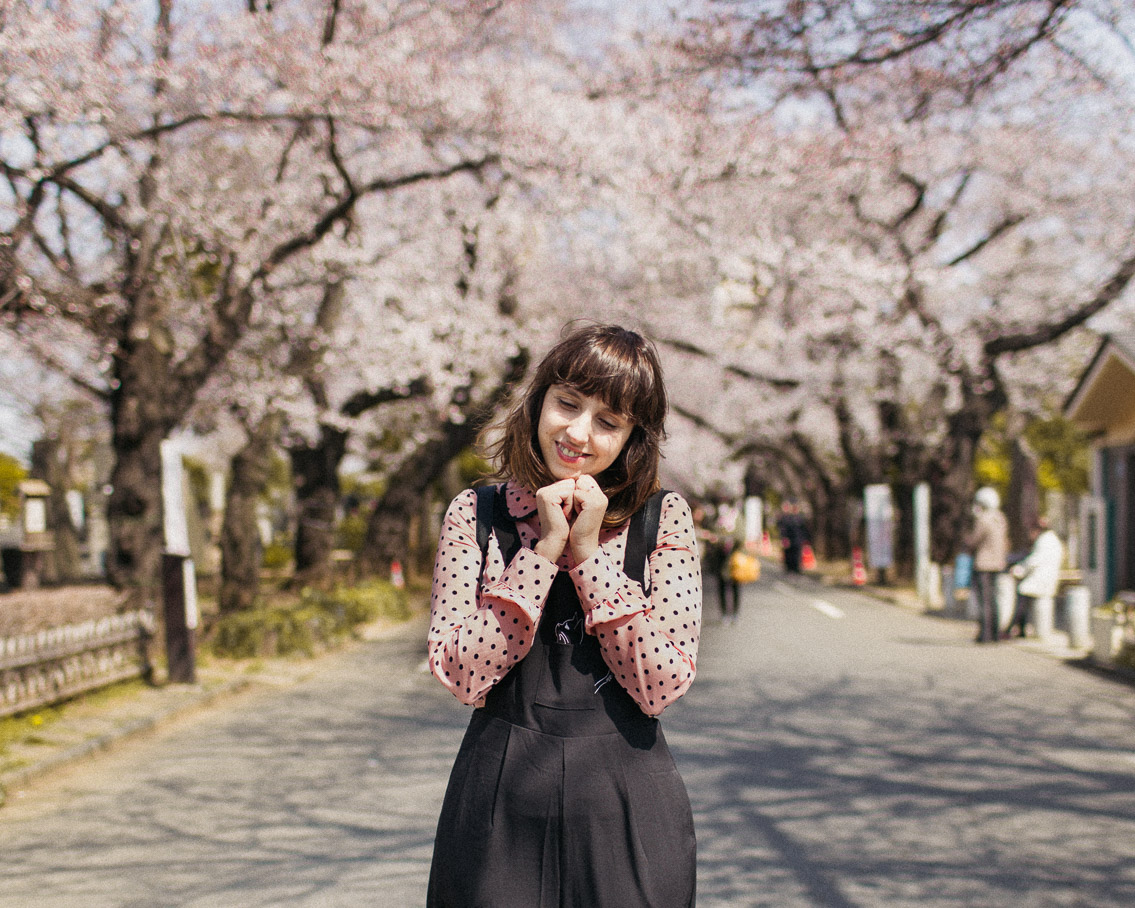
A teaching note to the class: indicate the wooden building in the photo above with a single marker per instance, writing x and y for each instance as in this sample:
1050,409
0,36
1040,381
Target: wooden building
1103,405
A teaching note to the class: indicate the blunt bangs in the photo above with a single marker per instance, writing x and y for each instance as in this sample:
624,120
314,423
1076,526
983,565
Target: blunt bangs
611,366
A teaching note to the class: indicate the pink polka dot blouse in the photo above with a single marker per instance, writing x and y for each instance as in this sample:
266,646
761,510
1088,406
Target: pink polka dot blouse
480,628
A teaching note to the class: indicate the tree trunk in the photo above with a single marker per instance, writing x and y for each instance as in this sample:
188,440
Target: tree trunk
51,462
315,475
140,420
950,474
241,549
134,512
1022,504
388,531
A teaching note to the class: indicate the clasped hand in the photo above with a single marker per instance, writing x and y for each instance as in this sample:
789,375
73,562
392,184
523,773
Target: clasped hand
571,513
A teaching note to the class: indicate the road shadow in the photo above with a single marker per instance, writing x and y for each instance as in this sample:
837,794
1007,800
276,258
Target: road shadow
854,793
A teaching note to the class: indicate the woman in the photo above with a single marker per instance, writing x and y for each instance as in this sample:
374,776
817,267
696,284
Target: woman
563,792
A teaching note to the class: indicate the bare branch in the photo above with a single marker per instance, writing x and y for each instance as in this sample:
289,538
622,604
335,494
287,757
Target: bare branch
343,207
361,401
108,212
60,367
330,22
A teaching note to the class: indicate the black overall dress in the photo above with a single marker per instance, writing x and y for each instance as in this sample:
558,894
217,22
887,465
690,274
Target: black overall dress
563,793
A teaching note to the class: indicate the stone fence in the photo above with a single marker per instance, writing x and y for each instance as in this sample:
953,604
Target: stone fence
48,666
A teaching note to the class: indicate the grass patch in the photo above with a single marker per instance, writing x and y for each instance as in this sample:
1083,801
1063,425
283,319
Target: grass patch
316,620
27,727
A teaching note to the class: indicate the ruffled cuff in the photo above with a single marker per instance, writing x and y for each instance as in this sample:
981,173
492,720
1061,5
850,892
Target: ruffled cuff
605,591
525,583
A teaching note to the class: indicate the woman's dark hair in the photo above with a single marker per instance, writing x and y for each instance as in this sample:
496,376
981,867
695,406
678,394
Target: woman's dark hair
619,367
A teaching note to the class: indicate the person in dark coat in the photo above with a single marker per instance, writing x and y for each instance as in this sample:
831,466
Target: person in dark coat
723,534
793,536
569,646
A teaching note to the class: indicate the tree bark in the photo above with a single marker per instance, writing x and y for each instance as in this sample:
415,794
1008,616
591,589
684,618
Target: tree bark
1022,505
241,550
134,511
140,420
315,474
388,530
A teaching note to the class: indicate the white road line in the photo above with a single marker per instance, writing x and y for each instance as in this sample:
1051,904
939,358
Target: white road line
827,608
832,611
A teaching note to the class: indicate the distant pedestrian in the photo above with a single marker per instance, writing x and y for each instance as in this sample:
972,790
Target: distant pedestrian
724,536
989,542
793,536
570,632
1038,574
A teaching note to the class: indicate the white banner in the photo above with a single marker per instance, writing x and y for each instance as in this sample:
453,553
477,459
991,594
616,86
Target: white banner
879,511
174,522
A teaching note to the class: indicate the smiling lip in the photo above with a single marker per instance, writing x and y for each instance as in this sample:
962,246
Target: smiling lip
568,455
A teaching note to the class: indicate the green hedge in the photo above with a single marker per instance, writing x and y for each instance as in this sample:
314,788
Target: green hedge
318,619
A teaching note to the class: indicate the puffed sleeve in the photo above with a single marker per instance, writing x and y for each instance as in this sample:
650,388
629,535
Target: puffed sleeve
650,643
481,623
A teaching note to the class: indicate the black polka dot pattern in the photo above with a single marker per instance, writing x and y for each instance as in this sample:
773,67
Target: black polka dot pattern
650,643
478,634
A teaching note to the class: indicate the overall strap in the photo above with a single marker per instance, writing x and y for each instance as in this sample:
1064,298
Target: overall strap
642,536
493,517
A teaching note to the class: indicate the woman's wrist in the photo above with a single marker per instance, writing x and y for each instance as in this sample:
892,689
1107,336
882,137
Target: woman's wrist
584,550
550,547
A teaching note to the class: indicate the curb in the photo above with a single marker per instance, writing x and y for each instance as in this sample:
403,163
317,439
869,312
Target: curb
17,778
1081,659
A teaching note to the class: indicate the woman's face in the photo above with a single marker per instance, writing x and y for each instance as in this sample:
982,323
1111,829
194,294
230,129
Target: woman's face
579,434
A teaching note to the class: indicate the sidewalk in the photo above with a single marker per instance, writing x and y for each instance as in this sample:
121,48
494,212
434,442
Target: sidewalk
1055,646
98,721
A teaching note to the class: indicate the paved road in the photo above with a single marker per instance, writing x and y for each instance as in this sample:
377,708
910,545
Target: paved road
839,752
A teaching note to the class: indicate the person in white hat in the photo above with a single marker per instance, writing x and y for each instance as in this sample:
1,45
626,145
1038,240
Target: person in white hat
989,542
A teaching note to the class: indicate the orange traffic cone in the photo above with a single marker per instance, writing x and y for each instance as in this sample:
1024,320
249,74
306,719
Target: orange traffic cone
858,571
807,558
396,575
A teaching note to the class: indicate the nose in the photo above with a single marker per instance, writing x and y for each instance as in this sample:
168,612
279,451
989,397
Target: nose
578,428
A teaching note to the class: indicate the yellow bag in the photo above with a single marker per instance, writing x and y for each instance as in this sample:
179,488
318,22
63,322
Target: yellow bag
743,567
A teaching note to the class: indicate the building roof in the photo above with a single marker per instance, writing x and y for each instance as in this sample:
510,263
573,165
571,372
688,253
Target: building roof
1104,398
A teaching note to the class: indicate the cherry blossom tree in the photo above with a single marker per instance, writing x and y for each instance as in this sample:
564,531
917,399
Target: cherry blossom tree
945,220
165,165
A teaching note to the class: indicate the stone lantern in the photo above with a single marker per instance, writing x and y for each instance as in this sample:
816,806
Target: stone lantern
25,554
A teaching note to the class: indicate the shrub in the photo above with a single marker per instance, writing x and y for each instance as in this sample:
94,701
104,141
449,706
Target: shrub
1126,655
277,556
317,620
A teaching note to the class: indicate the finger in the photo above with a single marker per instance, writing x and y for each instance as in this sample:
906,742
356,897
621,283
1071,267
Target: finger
589,494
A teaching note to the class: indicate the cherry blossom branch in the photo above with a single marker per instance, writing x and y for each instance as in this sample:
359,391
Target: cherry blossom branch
684,346
1112,289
